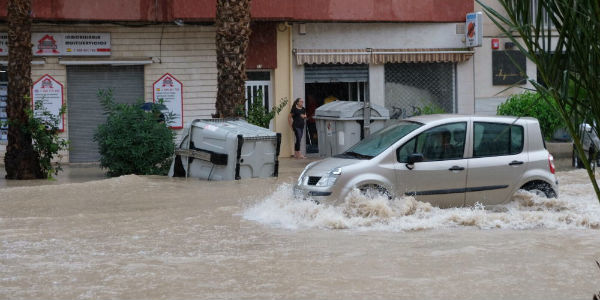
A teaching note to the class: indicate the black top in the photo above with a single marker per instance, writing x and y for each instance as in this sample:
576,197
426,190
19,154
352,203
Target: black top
296,116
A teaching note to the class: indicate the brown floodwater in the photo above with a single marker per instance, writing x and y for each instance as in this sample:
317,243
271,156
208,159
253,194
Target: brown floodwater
85,237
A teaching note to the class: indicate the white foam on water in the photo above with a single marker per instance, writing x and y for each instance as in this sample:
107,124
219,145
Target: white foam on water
576,208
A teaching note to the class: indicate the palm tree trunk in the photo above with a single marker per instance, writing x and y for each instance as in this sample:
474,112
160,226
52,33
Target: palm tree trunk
21,161
233,34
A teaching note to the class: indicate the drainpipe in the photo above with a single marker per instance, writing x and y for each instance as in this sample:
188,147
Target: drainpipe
291,81
367,109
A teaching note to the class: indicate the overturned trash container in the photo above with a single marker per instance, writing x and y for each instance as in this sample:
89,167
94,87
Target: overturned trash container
340,125
216,149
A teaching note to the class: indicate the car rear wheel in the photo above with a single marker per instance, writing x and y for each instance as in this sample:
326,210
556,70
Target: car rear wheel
540,188
592,158
576,161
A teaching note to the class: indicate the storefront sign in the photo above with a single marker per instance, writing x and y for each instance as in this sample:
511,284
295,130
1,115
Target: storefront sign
65,44
49,92
474,29
170,90
508,67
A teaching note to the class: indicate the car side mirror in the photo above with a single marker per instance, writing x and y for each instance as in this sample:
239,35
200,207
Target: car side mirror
414,158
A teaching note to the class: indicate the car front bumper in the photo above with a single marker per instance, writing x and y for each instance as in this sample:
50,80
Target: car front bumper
317,194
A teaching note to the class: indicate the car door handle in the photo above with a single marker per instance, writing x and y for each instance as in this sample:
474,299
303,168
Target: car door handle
456,168
515,162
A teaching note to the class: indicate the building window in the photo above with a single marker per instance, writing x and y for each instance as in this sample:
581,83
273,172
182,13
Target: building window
258,83
412,87
546,20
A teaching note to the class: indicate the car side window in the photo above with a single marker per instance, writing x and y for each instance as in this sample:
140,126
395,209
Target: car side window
496,139
444,142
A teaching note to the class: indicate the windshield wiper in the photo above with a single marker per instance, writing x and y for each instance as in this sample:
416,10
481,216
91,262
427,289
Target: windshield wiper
358,155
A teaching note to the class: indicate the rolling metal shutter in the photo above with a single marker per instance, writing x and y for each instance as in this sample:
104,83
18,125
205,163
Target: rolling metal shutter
84,108
335,73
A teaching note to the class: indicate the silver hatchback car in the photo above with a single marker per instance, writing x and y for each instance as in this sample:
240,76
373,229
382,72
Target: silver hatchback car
447,160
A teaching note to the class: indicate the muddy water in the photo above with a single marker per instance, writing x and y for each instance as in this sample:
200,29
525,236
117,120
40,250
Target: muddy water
154,237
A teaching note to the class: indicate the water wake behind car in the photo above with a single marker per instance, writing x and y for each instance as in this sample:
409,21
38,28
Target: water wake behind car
576,208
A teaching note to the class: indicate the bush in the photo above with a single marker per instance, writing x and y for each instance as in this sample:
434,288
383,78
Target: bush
133,141
532,105
258,113
431,110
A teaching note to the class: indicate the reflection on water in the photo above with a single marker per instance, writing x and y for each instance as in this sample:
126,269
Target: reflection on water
164,238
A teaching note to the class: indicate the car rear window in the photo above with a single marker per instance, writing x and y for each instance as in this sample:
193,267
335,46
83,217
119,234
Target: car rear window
496,139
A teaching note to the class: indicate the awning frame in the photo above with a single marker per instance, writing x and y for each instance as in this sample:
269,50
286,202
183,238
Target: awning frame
381,56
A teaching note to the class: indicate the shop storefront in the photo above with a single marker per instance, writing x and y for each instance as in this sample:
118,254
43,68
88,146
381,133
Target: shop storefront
408,68
84,59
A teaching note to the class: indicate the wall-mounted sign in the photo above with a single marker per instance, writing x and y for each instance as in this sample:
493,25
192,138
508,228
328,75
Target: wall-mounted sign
508,67
170,90
474,29
65,44
49,92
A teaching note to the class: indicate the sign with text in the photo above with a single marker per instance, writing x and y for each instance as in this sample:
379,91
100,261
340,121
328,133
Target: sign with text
474,30
170,90
65,44
49,92
508,67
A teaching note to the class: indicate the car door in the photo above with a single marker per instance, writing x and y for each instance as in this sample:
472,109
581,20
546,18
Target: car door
441,177
497,164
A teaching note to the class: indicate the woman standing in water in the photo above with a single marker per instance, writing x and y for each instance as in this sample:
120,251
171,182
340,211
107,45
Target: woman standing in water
296,120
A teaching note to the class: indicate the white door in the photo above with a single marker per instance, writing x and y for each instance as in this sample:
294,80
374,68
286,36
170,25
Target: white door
498,162
441,177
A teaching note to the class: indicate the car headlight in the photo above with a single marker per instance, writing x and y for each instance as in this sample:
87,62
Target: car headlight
301,177
330,178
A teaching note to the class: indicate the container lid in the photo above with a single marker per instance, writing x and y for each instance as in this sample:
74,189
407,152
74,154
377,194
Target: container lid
236,127
350,110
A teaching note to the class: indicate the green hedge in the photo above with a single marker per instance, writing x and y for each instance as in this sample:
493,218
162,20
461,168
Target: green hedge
532,105
133,141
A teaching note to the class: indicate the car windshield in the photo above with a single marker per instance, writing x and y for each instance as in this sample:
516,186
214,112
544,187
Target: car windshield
379,141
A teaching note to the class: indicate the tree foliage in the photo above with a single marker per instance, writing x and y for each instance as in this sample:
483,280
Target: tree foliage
133,141
531,104
259,115
566,52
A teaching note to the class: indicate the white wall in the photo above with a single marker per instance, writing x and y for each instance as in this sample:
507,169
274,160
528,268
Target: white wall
377,84
378,35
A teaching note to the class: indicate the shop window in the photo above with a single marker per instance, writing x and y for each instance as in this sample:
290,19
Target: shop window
411,88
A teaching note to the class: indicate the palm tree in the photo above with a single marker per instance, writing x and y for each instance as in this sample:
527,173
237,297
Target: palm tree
233,34
562,38
20,161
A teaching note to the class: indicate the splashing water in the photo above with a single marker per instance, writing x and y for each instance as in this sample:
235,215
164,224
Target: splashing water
576,208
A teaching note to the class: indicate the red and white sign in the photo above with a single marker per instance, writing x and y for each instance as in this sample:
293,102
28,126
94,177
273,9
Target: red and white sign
170,90
50,92
474,29
65,44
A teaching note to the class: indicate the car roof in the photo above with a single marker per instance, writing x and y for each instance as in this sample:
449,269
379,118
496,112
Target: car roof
437,118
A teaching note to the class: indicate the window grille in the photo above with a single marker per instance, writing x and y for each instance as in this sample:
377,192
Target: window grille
412,87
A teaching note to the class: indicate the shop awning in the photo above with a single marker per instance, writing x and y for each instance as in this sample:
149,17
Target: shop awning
381,56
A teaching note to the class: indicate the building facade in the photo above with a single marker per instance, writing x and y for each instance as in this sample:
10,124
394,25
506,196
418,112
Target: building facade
405,56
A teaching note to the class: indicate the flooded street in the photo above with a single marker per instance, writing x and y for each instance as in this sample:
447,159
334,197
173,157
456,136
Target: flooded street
163,238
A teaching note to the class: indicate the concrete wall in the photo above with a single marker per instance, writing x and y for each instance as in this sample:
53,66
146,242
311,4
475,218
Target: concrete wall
187,52
283,88
378,35
487,95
